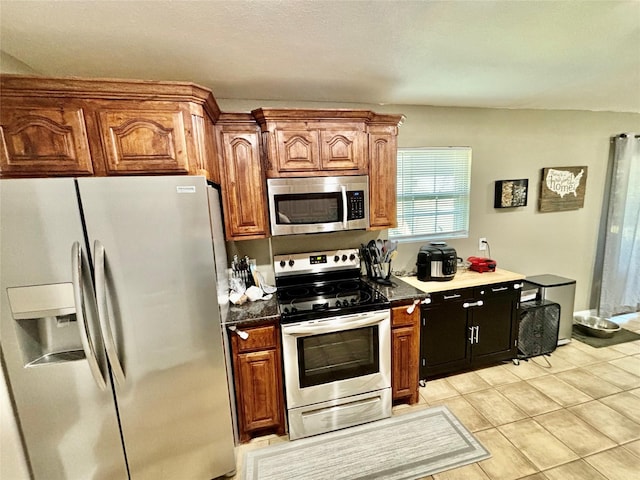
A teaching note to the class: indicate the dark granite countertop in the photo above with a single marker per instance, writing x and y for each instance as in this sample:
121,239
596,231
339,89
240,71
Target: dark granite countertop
398,293
253,312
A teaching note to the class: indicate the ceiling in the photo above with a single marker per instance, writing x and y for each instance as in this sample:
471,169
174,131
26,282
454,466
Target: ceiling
577,55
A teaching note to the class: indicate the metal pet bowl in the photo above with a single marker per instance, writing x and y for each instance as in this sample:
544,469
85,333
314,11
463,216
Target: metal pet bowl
596,326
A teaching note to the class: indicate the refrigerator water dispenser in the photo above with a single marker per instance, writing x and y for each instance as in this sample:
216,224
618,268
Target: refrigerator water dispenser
46,325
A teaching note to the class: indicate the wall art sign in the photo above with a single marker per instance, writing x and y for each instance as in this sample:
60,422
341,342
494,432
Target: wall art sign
562,188
511,193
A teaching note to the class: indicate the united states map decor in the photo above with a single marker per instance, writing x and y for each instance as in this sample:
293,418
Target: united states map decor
562,188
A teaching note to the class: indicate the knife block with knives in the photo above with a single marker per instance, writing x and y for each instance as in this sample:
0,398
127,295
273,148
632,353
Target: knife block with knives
244,269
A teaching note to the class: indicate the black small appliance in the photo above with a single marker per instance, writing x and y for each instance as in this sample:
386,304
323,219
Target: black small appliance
436,262
538,328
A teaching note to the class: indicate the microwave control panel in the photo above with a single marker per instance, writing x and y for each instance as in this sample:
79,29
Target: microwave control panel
355,201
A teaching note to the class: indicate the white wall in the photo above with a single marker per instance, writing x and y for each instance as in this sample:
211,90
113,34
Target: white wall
9,64
507,144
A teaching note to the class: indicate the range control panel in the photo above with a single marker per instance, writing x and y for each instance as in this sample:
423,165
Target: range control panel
316,262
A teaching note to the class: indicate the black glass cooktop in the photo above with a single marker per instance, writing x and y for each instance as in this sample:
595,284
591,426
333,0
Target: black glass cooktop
305,301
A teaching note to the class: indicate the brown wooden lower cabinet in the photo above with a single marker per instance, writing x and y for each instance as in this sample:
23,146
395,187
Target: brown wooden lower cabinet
405,350
258,381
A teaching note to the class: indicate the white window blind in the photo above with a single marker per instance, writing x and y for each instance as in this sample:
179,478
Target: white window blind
433,193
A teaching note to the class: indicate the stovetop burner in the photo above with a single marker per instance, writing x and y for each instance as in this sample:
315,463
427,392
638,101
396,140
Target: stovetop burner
295,306
323,284
340,288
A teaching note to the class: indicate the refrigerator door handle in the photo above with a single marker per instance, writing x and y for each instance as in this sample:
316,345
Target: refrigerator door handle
101,298
87,343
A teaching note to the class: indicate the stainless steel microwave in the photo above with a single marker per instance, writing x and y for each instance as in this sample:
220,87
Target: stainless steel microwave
318,204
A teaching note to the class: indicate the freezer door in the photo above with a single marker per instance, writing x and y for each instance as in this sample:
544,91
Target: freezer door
161,305
67,415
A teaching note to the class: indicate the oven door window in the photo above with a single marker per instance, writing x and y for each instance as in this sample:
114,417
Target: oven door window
296,209
331,357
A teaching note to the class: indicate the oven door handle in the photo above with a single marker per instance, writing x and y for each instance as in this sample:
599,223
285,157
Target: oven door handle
337,325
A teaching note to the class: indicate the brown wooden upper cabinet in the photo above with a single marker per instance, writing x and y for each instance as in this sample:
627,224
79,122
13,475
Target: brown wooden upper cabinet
43,138
301,142
138,141
63,127
72,126
382,173
244,196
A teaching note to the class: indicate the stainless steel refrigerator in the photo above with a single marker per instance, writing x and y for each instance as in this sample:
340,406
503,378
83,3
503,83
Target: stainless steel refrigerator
110,327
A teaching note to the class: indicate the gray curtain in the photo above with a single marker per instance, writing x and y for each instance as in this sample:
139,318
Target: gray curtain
620,288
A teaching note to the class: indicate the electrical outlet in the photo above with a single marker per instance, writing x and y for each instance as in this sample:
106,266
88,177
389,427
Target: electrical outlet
482,244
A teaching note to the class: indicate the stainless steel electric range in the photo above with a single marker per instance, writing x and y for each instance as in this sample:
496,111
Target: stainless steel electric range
336,342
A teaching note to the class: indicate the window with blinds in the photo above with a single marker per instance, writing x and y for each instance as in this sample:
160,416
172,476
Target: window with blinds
433,193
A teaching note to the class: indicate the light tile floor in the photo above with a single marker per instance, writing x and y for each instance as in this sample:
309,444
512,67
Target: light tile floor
575,419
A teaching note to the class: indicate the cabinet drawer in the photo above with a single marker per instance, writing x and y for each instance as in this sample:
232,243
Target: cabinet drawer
260,338
450,296
401,318
497,289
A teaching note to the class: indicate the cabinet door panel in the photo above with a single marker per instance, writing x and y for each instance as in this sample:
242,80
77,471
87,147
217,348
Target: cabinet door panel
297,150
343,150
405,358
444,339
245,195
258,383
44,141
404,363
382,181
495,328
144,141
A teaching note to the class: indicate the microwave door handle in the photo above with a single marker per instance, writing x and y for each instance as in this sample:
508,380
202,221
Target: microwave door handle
344,207
337,325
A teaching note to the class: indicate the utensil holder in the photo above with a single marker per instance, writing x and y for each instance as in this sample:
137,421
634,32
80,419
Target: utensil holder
384,269
379,272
